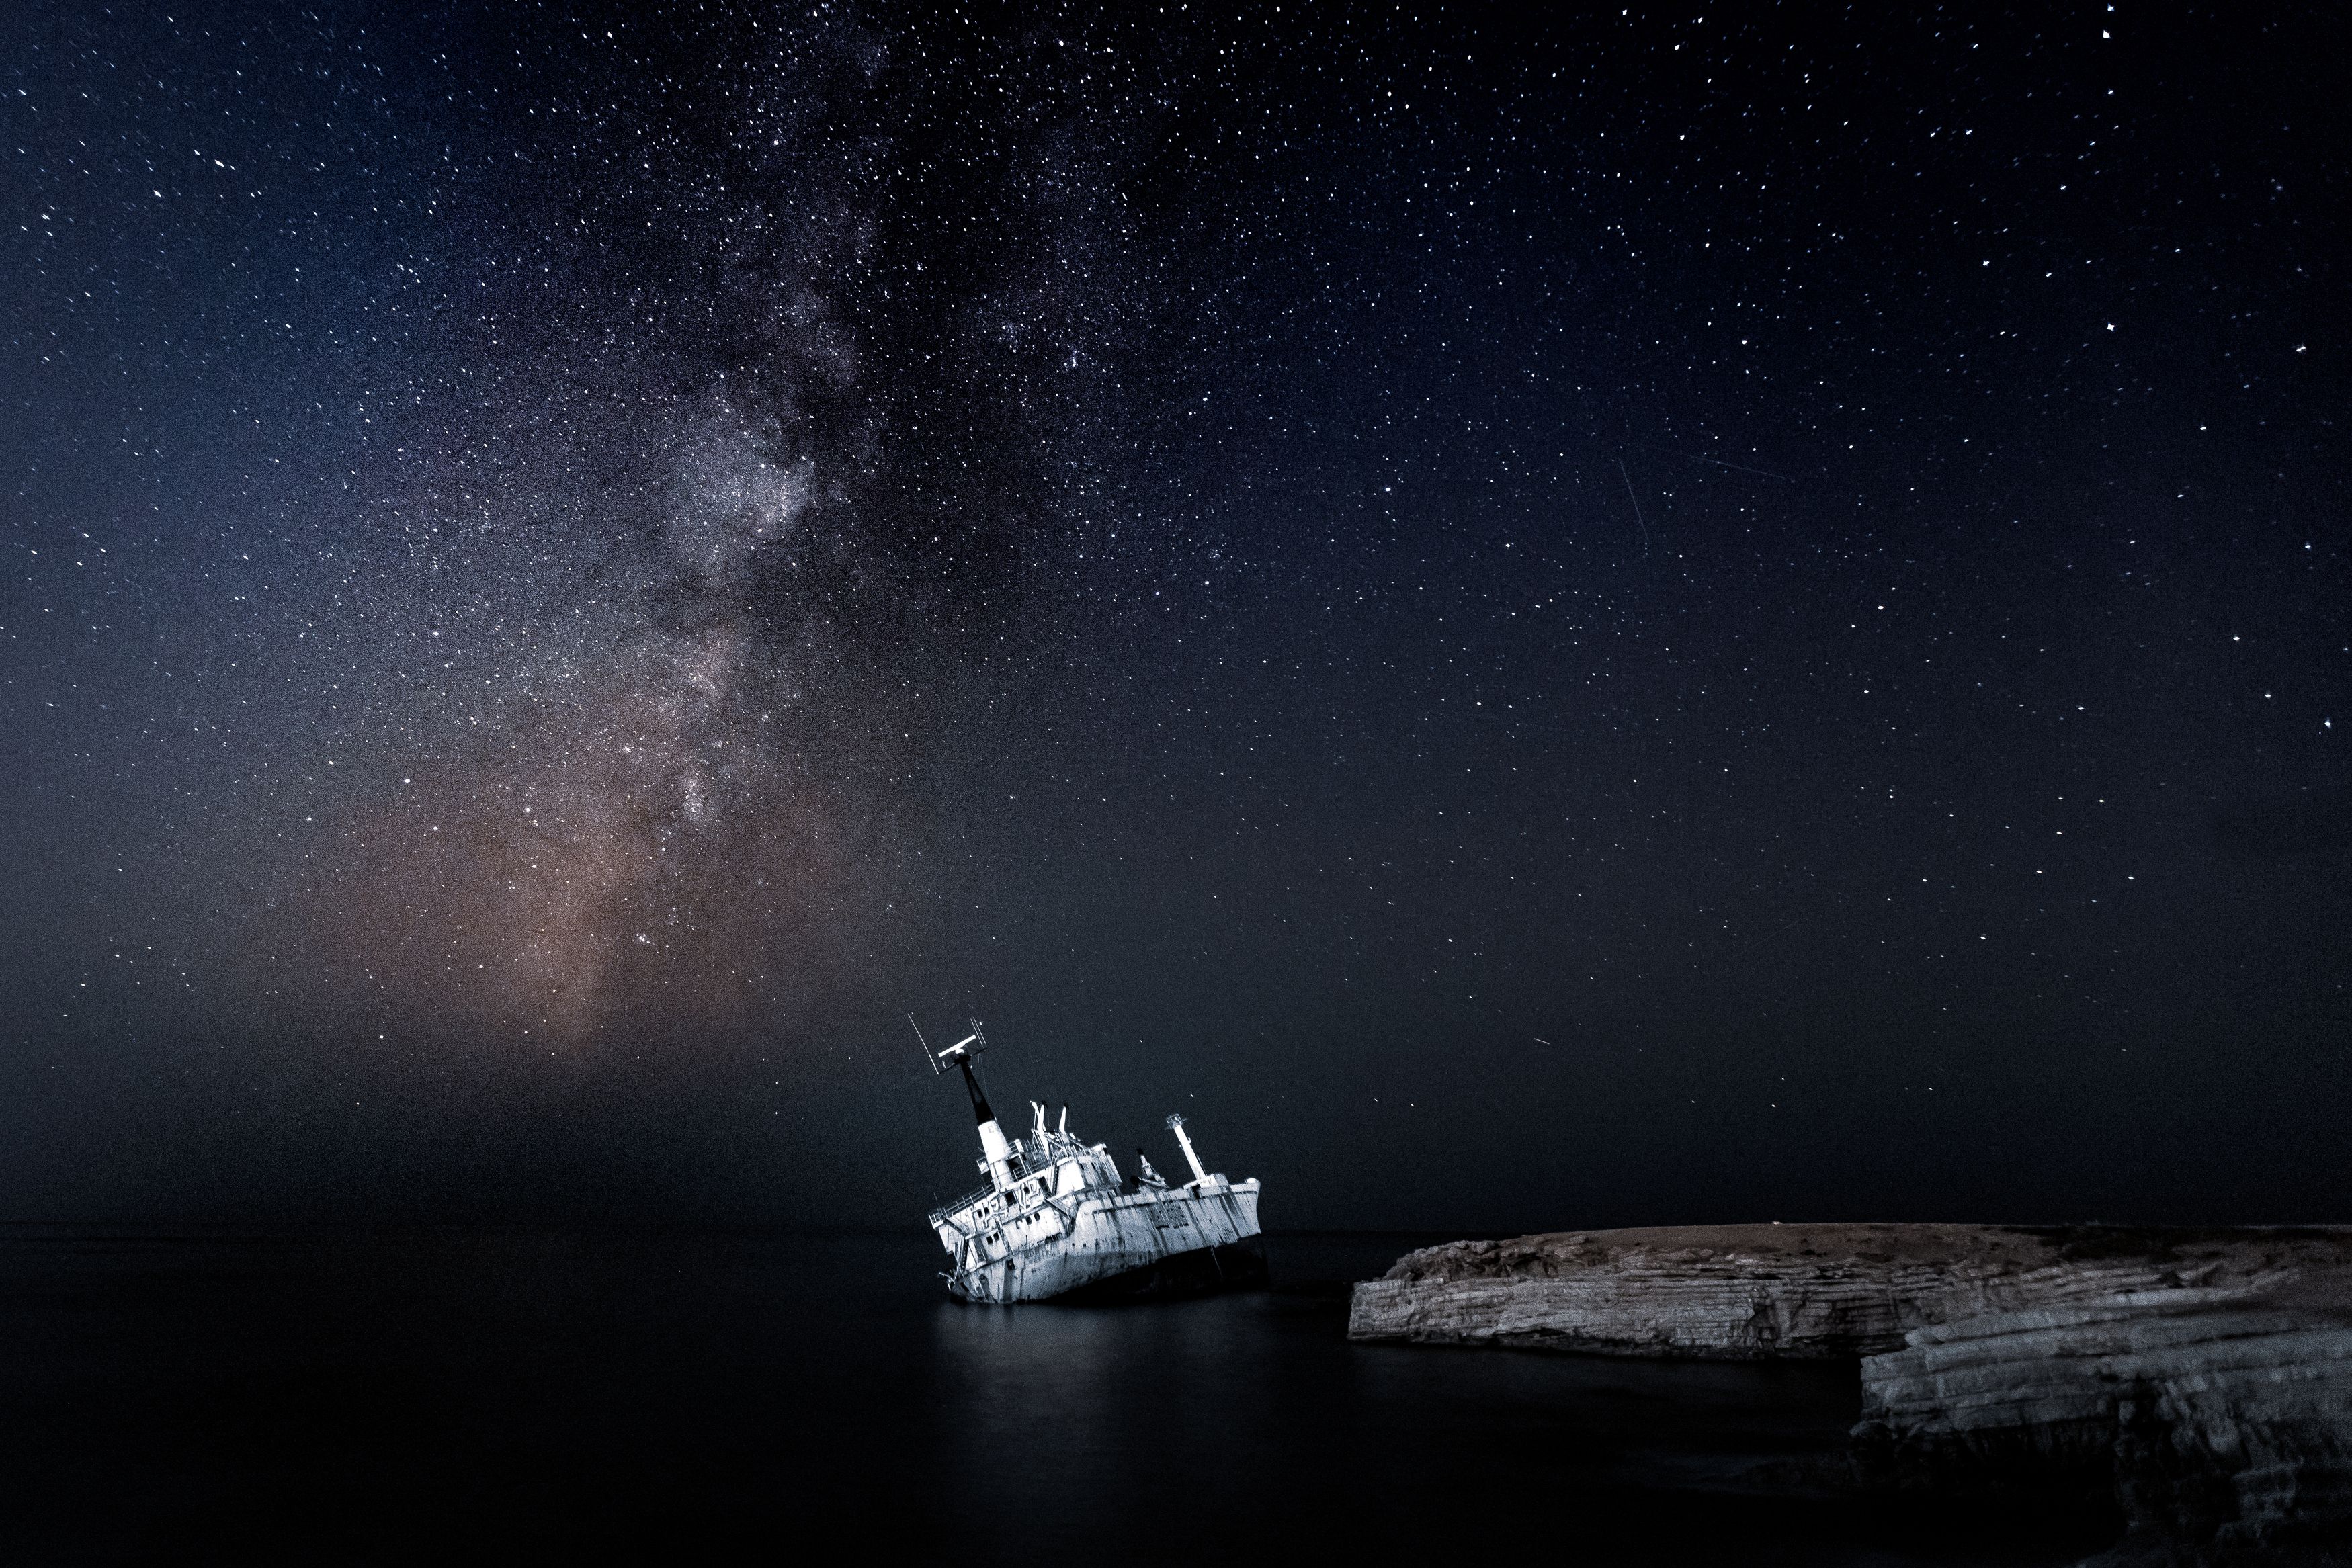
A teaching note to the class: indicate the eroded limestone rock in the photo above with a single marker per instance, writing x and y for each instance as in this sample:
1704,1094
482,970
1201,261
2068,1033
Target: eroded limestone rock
1823,1290
2221,1417
2205,1375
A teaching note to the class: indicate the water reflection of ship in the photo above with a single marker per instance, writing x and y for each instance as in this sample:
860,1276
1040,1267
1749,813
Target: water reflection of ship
1057,1219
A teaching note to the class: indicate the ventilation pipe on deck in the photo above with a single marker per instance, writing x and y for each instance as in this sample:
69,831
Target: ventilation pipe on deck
1176,1126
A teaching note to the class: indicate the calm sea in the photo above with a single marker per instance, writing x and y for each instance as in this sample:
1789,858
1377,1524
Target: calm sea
559,1396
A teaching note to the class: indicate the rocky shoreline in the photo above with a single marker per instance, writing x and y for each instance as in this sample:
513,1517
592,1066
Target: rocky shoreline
2205,1375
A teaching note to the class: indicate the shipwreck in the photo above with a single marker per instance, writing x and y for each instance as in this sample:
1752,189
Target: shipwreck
1058,1219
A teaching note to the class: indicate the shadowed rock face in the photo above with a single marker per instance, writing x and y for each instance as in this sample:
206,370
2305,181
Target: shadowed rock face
2222,1418
2205,1375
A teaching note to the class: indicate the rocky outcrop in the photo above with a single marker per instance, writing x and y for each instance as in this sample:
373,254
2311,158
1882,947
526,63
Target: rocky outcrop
1748,1291
2223,1419
2204,1376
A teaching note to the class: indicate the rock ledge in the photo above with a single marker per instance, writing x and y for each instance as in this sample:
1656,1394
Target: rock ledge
2205,1375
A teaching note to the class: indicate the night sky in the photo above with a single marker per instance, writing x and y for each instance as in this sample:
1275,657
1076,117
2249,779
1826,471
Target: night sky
1723,614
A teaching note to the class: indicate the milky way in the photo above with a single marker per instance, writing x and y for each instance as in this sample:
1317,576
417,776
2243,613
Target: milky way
722,483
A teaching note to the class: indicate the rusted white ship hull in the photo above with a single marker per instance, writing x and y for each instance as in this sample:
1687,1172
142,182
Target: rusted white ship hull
1150,1242
1057,1218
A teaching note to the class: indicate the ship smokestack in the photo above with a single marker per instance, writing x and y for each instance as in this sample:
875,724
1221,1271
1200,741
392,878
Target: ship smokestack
997,1153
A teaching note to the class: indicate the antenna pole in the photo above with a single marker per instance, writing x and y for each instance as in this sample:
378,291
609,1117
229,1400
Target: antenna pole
928,1060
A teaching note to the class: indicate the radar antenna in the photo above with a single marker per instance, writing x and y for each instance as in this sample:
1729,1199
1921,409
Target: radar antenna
964,1054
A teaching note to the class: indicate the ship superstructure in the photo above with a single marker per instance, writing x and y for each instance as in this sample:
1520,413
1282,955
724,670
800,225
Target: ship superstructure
1057,1219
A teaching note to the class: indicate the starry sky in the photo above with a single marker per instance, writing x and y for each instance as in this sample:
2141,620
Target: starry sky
1638,616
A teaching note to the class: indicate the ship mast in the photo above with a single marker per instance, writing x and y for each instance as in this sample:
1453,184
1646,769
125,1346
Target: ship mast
995,1151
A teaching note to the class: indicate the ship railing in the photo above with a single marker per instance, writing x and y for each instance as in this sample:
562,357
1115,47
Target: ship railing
960,1204
1017,1167
1028,1157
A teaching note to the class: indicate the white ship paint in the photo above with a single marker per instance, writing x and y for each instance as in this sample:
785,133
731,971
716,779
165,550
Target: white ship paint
1056,1217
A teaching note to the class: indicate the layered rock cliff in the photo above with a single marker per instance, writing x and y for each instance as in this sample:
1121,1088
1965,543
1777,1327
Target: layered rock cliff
1824,1290
2221,1417
2206,1376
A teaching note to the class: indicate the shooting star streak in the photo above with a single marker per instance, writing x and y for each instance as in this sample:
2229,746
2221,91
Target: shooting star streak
1719,462
1637,506
1743,468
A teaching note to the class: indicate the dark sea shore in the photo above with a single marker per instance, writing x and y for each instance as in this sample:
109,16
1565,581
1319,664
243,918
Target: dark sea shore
2199,1377
560,1395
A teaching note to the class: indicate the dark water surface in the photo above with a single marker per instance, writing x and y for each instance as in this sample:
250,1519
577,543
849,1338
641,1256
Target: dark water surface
553,1395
